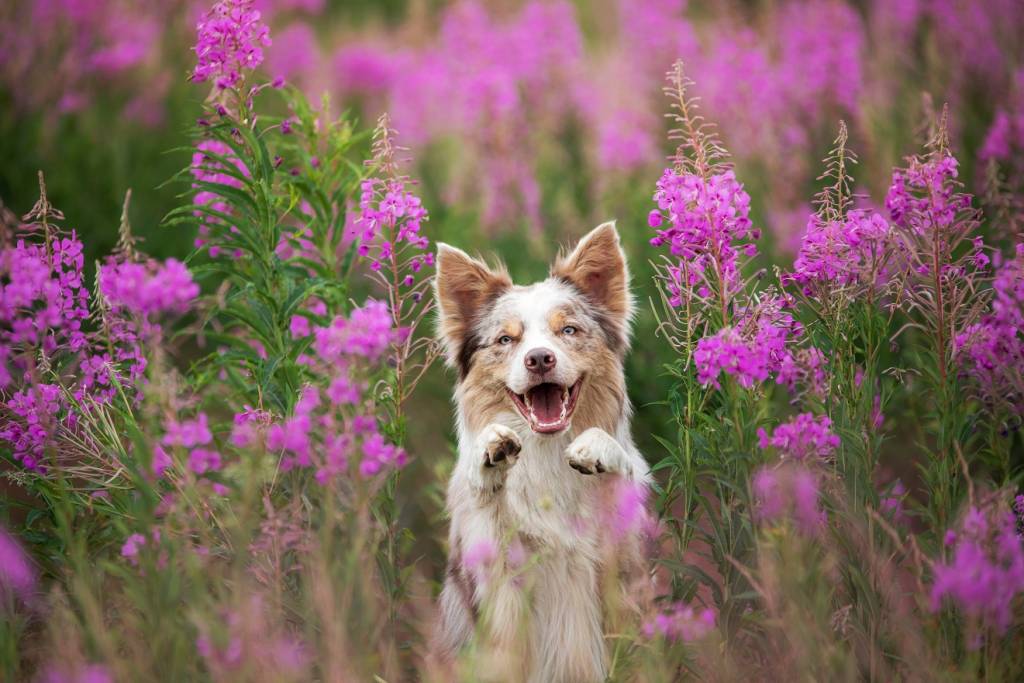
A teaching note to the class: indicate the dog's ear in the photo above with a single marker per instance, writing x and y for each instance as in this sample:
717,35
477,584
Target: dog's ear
597,267
463,287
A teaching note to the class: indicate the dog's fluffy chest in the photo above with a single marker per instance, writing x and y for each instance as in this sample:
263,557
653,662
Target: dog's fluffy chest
548,501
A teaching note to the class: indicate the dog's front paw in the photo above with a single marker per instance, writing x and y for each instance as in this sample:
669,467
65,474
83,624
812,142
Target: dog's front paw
594,452
585,453
501,446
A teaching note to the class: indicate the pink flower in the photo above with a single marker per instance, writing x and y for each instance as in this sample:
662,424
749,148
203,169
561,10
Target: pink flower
161,461
17,576
788,493
187,433
148,288
203,460
801,438
681,622
231,38
986,572
131,546
708,225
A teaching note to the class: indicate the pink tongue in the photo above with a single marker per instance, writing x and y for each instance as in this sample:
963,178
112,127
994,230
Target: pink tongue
546,400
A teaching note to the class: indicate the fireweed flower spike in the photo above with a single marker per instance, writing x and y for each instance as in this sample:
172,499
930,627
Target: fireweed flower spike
389,232
990,353
231,38
703,212
985,572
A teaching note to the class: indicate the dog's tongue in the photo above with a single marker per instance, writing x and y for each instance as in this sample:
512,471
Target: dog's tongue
546,401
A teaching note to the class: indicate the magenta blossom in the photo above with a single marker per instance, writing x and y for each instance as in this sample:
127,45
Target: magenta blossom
708,228
788,493
231,38
803,437
986,571
681,622
17,576
150,288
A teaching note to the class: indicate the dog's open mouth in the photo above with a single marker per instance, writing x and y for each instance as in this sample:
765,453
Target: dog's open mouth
547,407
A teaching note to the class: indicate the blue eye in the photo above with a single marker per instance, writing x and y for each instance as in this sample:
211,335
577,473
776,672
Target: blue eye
569,329
504,340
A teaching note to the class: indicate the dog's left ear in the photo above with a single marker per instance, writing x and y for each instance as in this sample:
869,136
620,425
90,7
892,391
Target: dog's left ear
597,267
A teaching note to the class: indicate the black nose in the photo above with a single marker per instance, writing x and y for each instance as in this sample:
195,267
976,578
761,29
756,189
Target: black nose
540,360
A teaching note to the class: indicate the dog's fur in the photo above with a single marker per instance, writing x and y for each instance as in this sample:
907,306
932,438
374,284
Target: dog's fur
516,492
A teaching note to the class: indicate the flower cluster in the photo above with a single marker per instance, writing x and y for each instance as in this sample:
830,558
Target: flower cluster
707,225
837,253
788,493
331,424
991,352
681,622
986,571
804,370
148,289
37,414
43,300
231,38
390,215
87,49
366,333
753,349
922,198
804,437
195,437
43,305
17,576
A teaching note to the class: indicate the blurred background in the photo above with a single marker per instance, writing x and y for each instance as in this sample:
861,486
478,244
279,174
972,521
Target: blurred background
527,122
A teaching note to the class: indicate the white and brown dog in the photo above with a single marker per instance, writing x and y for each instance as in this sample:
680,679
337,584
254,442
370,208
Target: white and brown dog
544,446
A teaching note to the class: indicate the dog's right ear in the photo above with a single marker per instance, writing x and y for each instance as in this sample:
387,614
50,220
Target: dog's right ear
463,286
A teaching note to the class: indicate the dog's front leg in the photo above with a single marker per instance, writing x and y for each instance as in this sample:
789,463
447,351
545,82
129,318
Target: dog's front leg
495,451
595,451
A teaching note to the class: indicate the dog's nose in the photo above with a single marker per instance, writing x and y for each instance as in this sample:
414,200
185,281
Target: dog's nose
540,360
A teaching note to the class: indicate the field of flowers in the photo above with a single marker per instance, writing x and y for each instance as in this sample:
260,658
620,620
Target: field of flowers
225,431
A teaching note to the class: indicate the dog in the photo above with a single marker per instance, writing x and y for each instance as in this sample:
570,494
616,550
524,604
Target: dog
539,553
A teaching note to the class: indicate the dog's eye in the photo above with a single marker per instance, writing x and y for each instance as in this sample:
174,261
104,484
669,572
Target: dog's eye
504,340
569,329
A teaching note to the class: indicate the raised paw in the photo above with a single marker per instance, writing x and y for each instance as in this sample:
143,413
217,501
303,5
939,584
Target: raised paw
593,452
501,446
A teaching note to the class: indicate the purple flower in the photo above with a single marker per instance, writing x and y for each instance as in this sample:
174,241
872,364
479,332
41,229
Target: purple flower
804,437
708,223
187,433
378,455
148,289
37,413
788,493
751,350
131,546
681,622
389,216
856,250
161,461
203,460
922,197
986,571
366,333
231,38
17,576
991,352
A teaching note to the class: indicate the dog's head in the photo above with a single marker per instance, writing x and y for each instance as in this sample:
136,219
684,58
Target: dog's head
550,352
